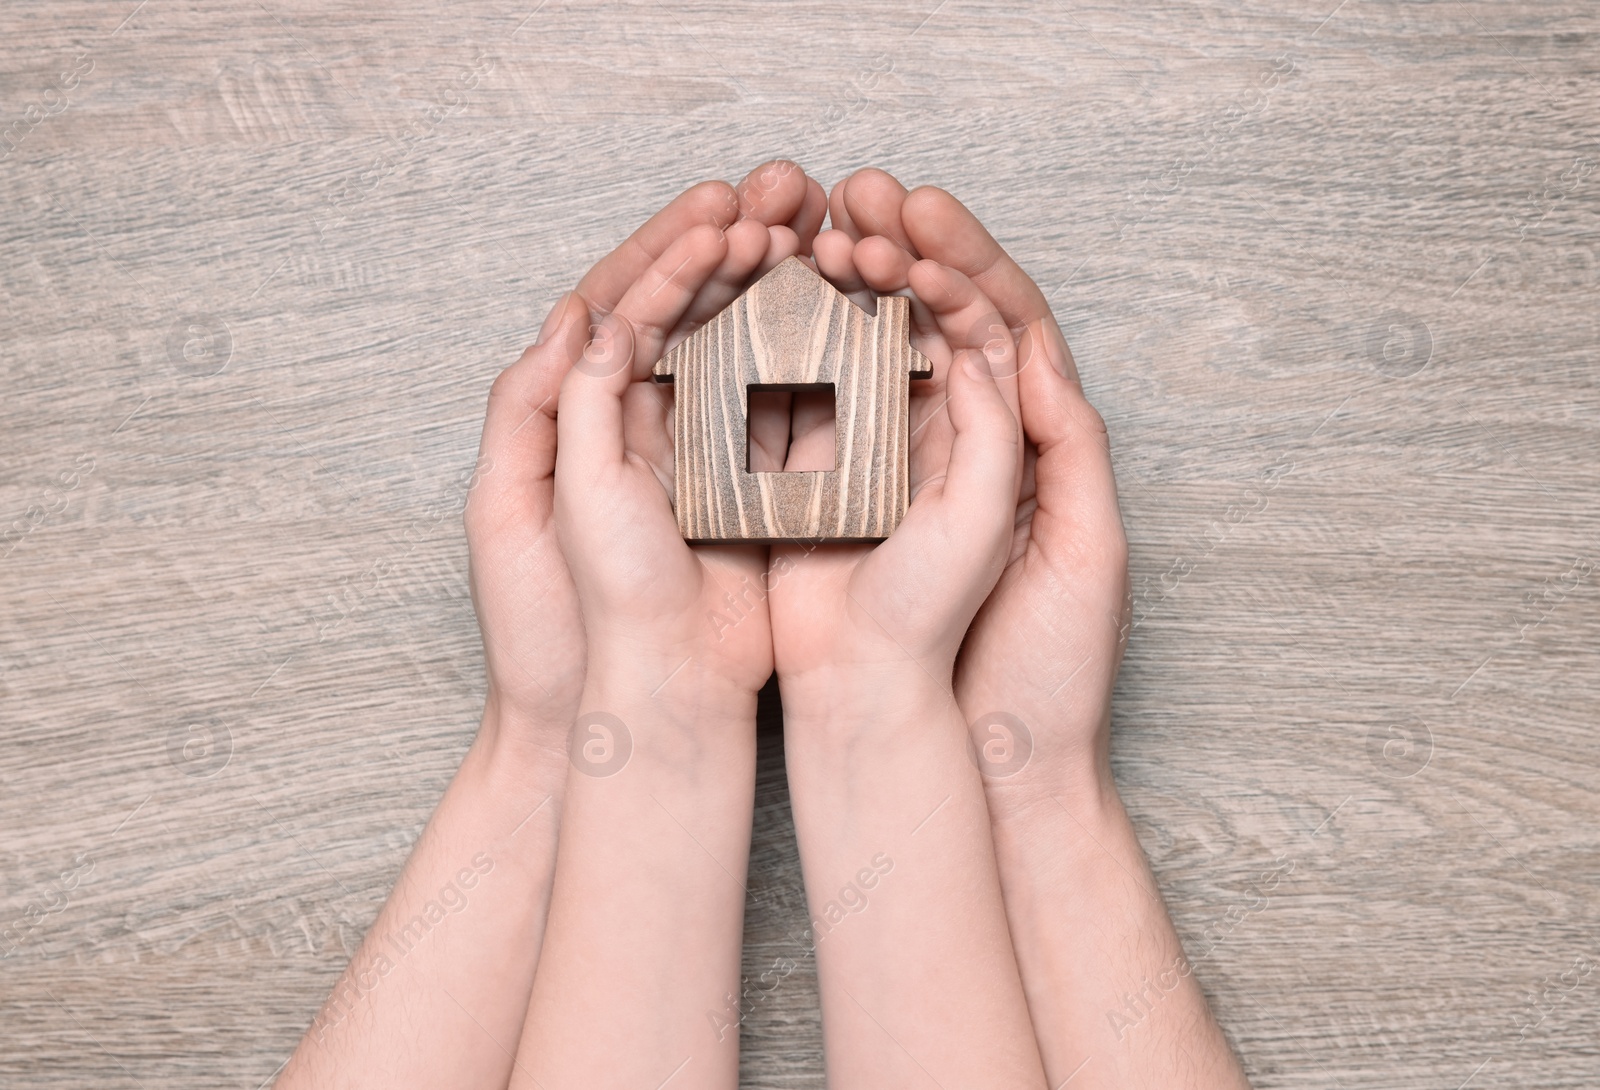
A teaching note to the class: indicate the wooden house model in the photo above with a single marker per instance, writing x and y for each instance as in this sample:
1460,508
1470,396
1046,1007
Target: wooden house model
794,331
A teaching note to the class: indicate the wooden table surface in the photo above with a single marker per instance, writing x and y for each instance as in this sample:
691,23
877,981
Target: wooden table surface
1330,273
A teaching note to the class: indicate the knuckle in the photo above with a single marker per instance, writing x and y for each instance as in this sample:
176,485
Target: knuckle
1103,552
1087,417
1112,552
504,385
475,517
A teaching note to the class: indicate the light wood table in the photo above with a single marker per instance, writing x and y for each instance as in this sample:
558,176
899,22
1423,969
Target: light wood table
1330,274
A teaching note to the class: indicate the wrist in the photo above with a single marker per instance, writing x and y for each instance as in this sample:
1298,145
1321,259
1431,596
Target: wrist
678,681
1065,831
858,694
1078,789
1036,744
517,753
676,661
863,719
666,717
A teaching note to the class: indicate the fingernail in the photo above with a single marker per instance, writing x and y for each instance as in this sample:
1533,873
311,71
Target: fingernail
610,347
1059,354
977,365
552,320
995,339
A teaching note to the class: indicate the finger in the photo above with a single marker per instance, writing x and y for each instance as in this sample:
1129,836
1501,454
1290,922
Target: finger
885,267
748,242
966,319
1041,341
767,423
968,322
927,338
980,485
930,437
709,203
765,194
839,215
835,260
930,432
978,497
518,446
884,264
808,221
589,427
647,428
815,427
944,229
661,296
1074,468
1054,411
782,243
874,200
949,224
773,192
834,254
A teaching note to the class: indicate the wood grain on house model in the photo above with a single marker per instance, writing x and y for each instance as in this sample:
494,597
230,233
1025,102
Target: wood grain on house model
793,330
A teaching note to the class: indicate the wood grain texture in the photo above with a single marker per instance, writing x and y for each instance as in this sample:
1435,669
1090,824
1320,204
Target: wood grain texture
793,329
1328,271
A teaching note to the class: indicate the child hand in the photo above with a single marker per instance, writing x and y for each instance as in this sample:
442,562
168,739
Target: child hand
906,602
651,604
1034,680
925,986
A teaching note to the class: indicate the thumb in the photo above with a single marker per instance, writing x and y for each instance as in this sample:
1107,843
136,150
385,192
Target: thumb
980,484
1074,470
589,425
982,475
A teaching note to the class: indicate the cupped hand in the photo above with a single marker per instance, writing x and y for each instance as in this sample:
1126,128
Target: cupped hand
903,604
650,603
522,589
1046,645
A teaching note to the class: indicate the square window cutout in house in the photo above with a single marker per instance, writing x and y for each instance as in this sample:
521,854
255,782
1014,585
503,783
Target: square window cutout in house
809,410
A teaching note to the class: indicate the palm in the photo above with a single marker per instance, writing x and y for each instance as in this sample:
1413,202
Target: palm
707,596
811,586
528,607
521,583
873,603
1053,626
815,587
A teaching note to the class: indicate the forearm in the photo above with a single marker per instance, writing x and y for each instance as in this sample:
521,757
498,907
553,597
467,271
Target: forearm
915,965
438,989
643,943
1114,1000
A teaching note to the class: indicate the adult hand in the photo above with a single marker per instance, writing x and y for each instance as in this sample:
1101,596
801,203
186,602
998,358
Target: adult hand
1046,646
1087,921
